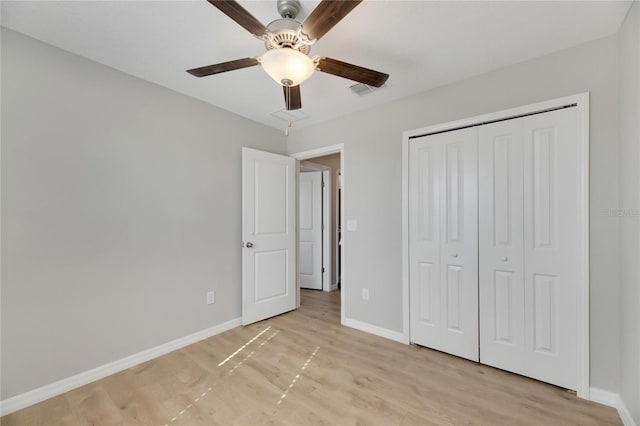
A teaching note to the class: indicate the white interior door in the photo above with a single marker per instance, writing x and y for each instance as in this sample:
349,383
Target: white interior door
443,242
530,246
310,230
268,235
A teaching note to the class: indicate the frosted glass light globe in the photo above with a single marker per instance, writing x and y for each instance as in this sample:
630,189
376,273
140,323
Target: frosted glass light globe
287,66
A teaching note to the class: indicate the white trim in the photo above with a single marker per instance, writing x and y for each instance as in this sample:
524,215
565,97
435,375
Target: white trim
613,400
625,415
602,396
297,213
374,329
406,326
333,149
326,231
582,102
311,166
26,399
318,152
582,330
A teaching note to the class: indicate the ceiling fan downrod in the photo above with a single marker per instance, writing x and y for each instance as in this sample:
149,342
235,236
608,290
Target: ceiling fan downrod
288,9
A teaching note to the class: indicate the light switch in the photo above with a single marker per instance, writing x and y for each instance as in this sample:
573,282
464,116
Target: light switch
352,225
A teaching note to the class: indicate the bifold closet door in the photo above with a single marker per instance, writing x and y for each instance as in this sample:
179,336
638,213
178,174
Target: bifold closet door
443,242
501,244
529,245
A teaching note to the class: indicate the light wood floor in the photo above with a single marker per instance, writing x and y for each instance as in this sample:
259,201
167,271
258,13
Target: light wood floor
303,368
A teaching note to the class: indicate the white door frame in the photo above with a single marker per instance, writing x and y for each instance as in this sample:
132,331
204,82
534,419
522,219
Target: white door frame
326,231
327,150
327,284
581,102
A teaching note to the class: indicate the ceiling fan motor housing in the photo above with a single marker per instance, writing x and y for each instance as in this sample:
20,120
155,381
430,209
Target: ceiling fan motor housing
284,33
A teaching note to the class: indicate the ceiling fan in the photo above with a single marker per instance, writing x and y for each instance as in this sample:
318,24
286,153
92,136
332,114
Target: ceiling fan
288,43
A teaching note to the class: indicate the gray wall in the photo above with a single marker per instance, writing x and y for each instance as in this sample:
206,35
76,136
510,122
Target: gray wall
120,209
372,180
629,39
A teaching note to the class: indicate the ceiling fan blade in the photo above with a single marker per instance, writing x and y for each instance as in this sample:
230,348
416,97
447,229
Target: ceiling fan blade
352,72
326,15
233,10
223,67
292,97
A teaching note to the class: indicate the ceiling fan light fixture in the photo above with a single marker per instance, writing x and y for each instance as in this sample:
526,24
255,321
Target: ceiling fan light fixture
287,66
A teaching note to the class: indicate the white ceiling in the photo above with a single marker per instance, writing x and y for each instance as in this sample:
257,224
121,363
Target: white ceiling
421,44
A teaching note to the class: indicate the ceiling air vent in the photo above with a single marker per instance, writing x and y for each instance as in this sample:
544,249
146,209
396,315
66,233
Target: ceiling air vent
361,89
292,115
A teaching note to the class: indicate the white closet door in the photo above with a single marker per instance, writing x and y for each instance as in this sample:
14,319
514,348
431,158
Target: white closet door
551,245
424,241
501,245
443,242
528,302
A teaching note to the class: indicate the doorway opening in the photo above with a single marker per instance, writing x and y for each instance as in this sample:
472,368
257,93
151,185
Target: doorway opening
321,268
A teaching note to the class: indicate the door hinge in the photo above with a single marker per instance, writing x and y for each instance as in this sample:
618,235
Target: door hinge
323,183
323,270
322,227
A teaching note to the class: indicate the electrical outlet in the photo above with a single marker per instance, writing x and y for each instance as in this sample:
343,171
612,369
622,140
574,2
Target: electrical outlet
211,298
365,294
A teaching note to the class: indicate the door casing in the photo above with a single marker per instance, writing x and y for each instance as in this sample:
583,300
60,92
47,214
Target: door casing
304,155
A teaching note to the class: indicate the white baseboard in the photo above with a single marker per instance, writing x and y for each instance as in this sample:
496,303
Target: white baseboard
26,399
613,400
374,329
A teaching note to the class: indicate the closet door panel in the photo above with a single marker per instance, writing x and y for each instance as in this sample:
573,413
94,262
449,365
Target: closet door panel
501,269
460,243
443,242
551,245
424,242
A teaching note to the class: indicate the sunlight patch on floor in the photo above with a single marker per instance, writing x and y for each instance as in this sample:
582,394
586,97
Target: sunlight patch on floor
243,347
252,352
231,370
295,379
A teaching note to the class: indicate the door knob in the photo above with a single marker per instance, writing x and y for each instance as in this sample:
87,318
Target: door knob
249,244
505,258
454,255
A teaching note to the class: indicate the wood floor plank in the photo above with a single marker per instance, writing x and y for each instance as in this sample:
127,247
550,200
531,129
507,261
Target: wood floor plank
304,368
53,411
138,404
91,405
13,419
